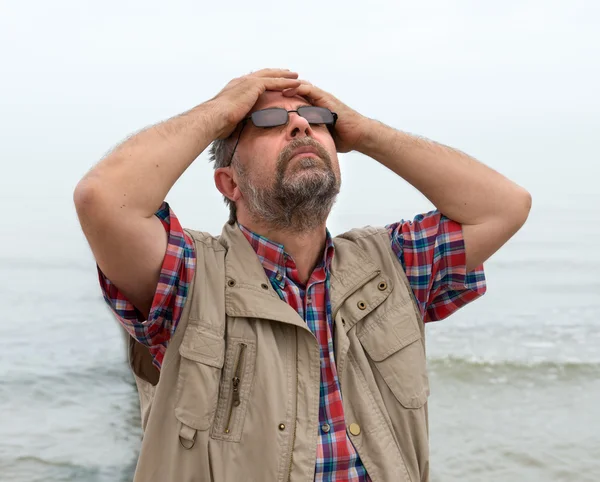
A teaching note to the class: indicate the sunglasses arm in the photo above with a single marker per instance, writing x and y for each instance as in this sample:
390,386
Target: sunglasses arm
244,121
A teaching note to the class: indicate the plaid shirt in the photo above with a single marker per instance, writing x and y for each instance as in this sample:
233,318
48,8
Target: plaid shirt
430,249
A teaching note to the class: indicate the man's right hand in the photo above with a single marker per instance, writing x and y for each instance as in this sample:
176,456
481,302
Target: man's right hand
239,96
117,199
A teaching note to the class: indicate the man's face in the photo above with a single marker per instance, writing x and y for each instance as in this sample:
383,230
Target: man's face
280,186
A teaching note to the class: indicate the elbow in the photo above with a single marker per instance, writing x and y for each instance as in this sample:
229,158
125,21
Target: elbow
526,203
522,207
85,197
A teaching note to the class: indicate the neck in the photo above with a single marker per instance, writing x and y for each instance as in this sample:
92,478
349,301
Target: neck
305,247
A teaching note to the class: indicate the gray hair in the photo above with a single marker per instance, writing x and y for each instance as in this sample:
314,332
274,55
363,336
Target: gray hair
220,154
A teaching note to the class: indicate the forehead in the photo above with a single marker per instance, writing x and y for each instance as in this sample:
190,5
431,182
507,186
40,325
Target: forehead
277,99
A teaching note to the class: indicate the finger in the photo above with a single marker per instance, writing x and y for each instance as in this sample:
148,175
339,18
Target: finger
303,90
289,92
304,87
279,83
285,73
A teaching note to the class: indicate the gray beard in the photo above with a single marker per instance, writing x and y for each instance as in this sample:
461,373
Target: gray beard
297,204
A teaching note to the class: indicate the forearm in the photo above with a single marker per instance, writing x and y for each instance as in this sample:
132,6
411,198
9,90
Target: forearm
462,188
137,175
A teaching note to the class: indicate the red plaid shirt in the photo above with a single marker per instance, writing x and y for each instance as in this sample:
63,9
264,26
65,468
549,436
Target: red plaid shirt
431,250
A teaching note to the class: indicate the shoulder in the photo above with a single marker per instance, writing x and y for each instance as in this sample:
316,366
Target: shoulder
364,232
358,234
205,240
372,242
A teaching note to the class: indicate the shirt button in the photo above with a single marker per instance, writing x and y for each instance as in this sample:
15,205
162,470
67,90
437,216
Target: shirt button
325,427
309,300
354,428
278,277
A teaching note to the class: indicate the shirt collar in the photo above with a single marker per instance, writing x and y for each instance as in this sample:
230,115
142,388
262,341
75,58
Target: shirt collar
273,256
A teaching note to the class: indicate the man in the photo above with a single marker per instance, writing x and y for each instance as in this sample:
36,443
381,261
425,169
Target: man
274,352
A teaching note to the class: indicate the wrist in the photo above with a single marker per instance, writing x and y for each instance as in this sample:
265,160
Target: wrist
212,119
371,137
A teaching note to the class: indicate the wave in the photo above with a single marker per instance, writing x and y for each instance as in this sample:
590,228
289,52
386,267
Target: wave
97,376
462,367
36,469
51,463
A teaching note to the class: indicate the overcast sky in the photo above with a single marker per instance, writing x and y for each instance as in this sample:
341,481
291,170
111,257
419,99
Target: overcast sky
514,83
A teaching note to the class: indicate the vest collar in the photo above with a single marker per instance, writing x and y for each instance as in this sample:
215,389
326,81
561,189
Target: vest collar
248,291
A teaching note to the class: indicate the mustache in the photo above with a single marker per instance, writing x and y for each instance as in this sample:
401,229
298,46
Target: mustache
286,155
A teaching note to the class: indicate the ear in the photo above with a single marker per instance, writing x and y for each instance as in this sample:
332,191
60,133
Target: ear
227,184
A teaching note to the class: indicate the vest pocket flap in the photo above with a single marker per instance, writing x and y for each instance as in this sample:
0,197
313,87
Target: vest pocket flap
389,334
203,347
202,357
395,347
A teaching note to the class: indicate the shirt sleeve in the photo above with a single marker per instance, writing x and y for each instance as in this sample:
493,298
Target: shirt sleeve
171,291
432,252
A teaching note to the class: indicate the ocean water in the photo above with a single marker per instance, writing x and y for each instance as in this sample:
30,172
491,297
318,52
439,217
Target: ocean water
515,376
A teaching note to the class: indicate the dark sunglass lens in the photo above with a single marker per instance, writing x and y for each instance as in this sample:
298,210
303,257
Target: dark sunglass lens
270,117
316,115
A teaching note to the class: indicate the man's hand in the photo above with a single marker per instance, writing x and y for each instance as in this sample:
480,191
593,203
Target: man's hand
239,96
350,125
117,199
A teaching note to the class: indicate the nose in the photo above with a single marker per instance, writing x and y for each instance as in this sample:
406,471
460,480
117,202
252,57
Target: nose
298,126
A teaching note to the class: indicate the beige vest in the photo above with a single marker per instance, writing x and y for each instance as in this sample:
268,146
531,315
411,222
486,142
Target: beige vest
238,394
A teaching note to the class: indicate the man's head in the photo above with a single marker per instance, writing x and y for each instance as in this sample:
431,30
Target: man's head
286,177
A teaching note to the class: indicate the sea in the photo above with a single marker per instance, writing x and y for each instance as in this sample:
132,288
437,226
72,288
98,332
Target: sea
515,376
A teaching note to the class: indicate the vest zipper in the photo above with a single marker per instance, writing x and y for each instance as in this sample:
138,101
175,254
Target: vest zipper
295,415
235,384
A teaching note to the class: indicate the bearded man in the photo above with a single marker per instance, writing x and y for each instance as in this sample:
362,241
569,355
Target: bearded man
276,351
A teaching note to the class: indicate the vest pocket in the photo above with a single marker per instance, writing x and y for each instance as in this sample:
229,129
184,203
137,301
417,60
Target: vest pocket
394,344
202,357
236,383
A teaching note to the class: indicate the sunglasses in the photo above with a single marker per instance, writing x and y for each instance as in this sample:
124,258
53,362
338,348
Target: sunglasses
278,116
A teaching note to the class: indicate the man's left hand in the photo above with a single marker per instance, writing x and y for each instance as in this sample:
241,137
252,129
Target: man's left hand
350,126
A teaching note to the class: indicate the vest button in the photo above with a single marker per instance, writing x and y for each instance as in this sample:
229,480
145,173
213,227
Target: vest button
354,429
282,426
264,286
231,283
343,322
361,305
382,286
